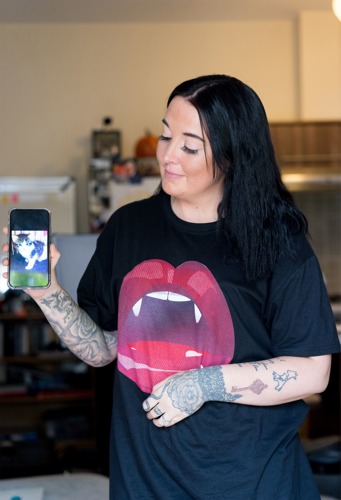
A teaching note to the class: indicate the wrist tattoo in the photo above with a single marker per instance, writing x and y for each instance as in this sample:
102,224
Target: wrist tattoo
61,302
212,385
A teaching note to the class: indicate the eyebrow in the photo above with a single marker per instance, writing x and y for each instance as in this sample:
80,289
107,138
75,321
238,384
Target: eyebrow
187,134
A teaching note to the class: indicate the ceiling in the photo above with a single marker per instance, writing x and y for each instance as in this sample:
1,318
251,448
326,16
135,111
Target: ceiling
97,11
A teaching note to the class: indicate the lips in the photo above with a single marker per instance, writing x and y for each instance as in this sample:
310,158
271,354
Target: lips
172,175
171,320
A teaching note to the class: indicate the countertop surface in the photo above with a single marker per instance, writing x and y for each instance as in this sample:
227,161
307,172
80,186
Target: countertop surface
76,486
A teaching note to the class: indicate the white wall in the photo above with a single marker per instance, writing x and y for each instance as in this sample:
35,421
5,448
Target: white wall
59,80
320,66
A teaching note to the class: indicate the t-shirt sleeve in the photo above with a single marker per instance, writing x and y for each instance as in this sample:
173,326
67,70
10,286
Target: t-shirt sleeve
300,314
95,292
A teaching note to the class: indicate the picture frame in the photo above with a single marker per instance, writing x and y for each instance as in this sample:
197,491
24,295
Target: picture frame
106,144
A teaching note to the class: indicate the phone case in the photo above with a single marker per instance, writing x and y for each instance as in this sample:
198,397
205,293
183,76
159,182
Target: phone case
29,242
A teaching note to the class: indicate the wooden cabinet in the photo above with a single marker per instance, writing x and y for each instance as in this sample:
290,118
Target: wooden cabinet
46,393
307,144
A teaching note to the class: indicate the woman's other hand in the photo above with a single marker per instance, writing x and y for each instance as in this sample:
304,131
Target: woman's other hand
175,398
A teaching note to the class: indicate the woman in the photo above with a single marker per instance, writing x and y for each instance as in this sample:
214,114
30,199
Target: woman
212,301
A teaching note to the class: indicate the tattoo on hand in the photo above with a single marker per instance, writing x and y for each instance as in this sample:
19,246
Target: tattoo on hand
283,379
188,391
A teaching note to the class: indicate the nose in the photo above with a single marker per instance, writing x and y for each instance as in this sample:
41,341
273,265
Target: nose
167,151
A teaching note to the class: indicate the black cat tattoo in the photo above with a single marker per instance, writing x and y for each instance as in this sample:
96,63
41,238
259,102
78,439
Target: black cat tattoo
31,250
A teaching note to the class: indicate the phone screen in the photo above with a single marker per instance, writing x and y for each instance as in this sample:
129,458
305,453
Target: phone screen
29,242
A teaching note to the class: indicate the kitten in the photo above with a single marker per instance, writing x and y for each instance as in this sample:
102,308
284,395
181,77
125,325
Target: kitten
32,251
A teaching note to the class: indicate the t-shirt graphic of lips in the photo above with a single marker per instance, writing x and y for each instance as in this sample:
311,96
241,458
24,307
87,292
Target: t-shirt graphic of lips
171,320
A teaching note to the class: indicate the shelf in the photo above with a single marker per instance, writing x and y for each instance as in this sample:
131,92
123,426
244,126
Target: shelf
40,358
32,316
44,388
47,397
80,443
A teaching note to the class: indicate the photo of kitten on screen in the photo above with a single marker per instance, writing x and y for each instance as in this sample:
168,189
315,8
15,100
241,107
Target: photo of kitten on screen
33,251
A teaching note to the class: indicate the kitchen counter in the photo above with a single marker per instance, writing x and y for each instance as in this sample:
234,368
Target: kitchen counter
76,486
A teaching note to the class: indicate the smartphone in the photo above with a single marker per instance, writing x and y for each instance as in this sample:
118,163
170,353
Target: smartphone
29,244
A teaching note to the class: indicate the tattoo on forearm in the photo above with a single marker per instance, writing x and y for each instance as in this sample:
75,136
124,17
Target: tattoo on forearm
111,339
256,387
283,379
61,302
212,385
77,330
261,364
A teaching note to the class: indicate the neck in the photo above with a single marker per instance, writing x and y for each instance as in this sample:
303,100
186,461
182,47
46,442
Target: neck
194,212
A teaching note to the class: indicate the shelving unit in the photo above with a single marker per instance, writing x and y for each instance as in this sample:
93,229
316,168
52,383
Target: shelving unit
47,395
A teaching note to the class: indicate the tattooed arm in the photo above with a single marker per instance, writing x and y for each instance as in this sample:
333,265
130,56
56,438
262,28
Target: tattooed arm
77,330
74,327
260,383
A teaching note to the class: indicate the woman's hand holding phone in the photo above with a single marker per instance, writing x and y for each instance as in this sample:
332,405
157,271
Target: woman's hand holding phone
36,293
28,252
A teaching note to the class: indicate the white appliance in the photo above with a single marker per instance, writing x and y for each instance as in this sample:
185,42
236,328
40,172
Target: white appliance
76,251
123,193
107,195
56,193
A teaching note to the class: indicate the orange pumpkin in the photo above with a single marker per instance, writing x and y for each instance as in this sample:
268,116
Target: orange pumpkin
146,146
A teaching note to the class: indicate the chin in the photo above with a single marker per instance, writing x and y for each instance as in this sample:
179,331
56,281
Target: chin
167,187
173,191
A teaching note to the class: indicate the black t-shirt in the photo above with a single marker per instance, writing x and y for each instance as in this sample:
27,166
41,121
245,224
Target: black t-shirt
178,303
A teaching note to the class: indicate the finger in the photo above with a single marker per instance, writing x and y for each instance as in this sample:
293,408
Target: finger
5,265
54,255
5,230
154,413
148,404
162,422
157,411
54,251
5,247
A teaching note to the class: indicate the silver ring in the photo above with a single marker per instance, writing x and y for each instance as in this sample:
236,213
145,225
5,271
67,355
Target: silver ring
158,411
165,422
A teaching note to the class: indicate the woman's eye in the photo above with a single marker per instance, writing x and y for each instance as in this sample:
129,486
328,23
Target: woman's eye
184,148
189,151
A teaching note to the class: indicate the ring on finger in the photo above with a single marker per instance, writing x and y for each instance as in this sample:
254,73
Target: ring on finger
165,421
158,411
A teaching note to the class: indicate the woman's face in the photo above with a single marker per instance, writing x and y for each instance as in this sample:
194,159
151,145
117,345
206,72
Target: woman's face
185,157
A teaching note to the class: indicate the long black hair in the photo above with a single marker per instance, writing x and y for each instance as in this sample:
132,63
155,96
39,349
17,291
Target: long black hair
258,211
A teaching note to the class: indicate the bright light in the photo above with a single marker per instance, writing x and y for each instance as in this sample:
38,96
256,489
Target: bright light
337,8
